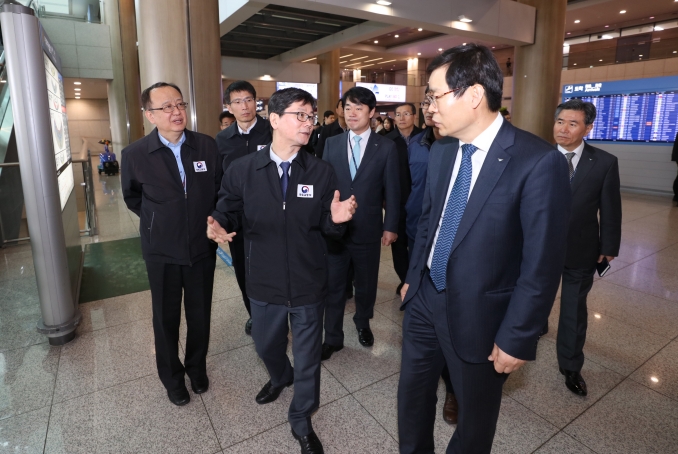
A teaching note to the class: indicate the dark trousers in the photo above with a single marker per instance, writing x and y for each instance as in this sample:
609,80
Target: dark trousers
573,317
427,346
675,188
237,248
399,249
269,331
365,258
167,282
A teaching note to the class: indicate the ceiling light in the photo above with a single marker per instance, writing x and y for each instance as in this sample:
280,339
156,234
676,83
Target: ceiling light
77,83
622,11
383,3
420,29
463,44
344,56
359,58
652,17
310,59
440,49
374,59
77,97
493,47
569,33
600,59
577,21
77,89
387,61
3,81
575,64
607,26
675,51
371,64
640,55
419,53
463,18
658,28
376,42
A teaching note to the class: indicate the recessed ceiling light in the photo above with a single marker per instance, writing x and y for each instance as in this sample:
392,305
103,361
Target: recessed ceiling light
440,49
569,33
577,21
310,59
463,44
420,29
77,89
344,56
607,26
463,18
376,42
575,64
77,97
622,11
397,36
493,47
77,83
419,53
359,58
675,51
652,17
600,59
640,55
383,3
658,28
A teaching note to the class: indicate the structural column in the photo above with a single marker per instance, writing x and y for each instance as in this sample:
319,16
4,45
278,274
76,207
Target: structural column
537,70
328,88
179,43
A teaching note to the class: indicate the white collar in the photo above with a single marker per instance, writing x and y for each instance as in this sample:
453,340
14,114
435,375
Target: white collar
577,151
363,137
484,140
275,158
248,129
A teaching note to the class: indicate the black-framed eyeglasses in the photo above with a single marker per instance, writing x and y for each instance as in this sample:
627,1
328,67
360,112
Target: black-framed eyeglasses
170,108
403,114
433,100
239,101
303,116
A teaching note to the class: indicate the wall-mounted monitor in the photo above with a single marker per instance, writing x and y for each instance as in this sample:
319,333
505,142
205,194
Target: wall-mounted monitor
311,88
640,110
386,92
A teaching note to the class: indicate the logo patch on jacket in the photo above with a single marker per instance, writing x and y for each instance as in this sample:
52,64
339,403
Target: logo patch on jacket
305,190
260,147
199,166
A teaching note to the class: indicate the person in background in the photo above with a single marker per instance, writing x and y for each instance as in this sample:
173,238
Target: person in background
283,226
329,118
378,124
248,134
507,115
674,158
595,230
331,129
170,179
388,126
226,119
509,67
405,116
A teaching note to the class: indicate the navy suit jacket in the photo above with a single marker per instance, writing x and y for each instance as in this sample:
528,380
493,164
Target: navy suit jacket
376,185
508,253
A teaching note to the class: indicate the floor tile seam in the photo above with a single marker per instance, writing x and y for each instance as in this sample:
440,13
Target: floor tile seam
100,389
209,417
23,346
567,435
116,326
348,391
557,429
376,420
630,376
553,341
374,383
21,413
253,436
51,405
645,266
640,291
227,351
632,324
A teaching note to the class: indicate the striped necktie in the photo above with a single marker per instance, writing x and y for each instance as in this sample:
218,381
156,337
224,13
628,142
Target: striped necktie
569,157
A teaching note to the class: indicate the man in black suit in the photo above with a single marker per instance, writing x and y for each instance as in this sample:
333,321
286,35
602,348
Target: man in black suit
487,258
404,116
594,177
170,179
331,129
285,201
366,165
248,134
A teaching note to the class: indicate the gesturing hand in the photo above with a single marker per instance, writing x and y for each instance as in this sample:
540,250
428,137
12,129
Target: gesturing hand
216,232
342,211
503,362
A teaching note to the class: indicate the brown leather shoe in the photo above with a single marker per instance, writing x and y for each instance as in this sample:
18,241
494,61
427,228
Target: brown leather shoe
450,409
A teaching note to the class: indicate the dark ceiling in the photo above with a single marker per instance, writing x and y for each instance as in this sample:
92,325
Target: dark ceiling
277,29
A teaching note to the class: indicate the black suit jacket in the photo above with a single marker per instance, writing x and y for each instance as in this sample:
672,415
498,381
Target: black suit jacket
508,253
233,145
595,189
674,153
327,131
375,186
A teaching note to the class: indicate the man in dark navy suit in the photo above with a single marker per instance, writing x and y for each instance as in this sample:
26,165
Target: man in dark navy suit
487,259
366,165
595,230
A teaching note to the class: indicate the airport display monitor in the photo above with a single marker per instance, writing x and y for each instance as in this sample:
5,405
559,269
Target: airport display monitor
311,88
386,92
640,110
59,125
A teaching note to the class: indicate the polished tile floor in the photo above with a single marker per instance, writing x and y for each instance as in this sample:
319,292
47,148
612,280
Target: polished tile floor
100,393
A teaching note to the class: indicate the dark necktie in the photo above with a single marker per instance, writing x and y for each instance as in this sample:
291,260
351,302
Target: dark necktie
569,157
454,210
284,178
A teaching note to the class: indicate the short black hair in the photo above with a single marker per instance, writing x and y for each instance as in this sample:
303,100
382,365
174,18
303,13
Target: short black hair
472,64
414,109
341,101
328,113
580,106
226,114
146,94
360,95
239,85
379,120
282,99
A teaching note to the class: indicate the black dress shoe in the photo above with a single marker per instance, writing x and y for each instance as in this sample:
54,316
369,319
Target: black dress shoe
365,337
248,327
328,350
310,444
179,396
201,385
574,382
399,288
270,393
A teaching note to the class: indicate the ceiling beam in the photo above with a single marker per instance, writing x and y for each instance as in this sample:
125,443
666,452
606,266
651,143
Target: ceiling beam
234,12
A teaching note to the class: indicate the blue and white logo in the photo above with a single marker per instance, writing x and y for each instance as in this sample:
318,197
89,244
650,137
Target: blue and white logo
199,166
305,191
569,89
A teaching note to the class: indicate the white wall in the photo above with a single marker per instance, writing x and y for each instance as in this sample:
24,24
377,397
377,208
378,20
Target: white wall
87,118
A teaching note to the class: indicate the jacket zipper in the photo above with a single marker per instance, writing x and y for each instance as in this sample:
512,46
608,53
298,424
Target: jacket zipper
287,260
188,233
249,262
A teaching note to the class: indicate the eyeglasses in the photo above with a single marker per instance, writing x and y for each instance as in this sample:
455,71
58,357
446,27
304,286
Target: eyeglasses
432,99
170,108
424,104
303,116
238,102
404,114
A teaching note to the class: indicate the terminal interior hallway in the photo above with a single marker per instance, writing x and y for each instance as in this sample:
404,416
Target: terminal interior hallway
101,394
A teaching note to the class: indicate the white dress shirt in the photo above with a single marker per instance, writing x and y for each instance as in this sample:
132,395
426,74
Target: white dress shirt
275,158
577,153
242,131
364,137
483,142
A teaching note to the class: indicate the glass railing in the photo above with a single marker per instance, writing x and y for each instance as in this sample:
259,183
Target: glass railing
76,10
614,51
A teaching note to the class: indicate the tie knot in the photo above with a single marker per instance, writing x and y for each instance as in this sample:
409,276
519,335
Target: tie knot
570,156
357,139
468,149
285,166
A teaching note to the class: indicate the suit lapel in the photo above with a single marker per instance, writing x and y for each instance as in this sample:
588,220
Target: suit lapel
495,162
586,163
441,185
343,170
368,156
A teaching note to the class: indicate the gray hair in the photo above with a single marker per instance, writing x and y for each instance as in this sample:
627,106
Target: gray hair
579,106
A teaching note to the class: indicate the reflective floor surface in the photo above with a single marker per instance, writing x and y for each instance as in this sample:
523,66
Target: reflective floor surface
100,393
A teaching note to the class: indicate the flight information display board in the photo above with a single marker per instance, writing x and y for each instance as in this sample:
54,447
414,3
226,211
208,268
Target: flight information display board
59,122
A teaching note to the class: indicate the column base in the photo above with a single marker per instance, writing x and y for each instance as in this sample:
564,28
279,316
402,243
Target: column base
62,339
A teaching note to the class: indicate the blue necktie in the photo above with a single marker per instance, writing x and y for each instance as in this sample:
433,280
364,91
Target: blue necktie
284,178
454,210
355,157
